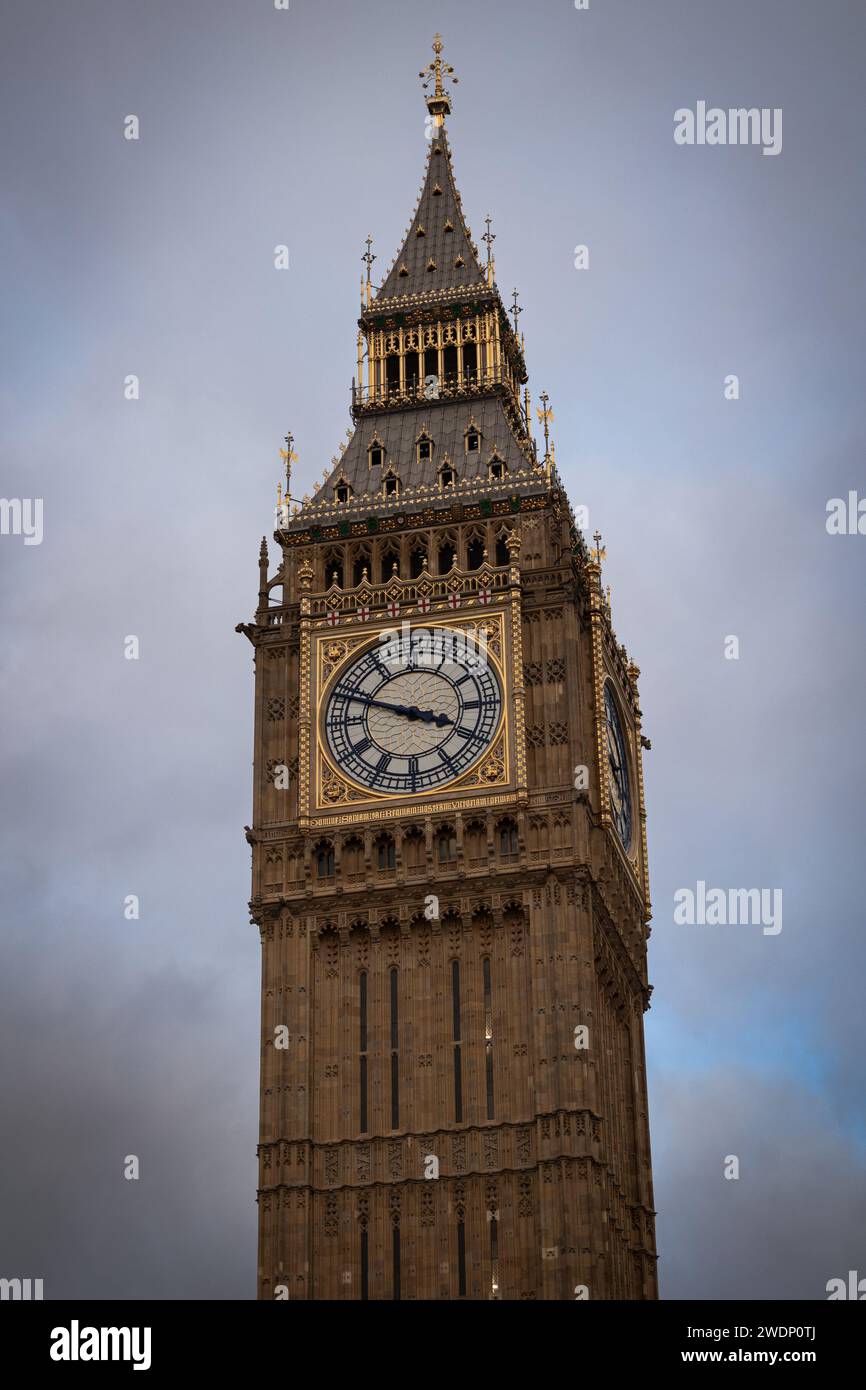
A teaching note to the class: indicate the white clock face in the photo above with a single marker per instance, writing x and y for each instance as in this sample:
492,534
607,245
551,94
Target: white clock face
408,717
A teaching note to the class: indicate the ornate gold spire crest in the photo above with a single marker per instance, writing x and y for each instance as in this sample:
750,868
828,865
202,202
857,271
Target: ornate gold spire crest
439,100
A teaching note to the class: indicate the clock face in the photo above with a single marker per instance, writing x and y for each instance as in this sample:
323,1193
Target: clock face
409,716
617,775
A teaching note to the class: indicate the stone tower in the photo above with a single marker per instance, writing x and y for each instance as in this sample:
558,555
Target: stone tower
448,839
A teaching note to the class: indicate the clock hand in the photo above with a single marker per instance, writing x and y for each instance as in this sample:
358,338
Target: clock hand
428,716
410,711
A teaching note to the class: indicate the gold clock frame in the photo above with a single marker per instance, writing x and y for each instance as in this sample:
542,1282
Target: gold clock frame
330,792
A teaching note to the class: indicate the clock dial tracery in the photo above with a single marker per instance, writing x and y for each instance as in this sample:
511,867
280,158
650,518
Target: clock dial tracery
413,718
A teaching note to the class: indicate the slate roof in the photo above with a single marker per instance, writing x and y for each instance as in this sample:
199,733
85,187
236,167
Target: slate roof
433,212
445,423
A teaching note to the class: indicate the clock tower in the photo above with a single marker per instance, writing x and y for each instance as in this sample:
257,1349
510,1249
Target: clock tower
448,839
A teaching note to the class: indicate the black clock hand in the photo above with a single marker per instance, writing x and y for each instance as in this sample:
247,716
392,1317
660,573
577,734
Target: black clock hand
428,716
409,711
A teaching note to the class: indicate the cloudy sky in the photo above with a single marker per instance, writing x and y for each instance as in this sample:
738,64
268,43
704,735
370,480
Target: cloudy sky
155,257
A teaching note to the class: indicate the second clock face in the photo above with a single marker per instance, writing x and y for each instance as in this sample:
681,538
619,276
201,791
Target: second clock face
617,770
410,720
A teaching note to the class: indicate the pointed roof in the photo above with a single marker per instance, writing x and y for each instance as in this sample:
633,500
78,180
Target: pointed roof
446,424
438,252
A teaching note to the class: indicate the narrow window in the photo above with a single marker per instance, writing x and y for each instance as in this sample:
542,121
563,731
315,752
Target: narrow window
387,852
473,440
494,1255
390,559
447,555
413,366
376,456
461,1259
502,557
447,842
508,838
392,485
362,1050
334,571
425,450
455,1034
395,1057
395,1262
343,493
446,478
497,469
475,553
365,1284
488,1036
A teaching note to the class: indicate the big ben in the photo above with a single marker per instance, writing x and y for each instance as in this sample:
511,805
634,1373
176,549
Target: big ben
448,841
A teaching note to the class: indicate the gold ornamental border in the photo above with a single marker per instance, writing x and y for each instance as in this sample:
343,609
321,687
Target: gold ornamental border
368,640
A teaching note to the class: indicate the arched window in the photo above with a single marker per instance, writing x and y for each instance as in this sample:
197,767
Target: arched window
470,362
475,843
417,560
446,845
392,373
324,859
360,563
352,858
334,568
509,842
386,853
390,558
502,556
475,552
414,849
447,555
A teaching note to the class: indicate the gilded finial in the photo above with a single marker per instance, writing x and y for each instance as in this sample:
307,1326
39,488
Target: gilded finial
489,237
368,257
289,457
516,311
439,103
600,551
545,415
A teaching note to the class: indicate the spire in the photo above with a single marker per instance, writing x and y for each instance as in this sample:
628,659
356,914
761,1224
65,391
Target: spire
438,252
